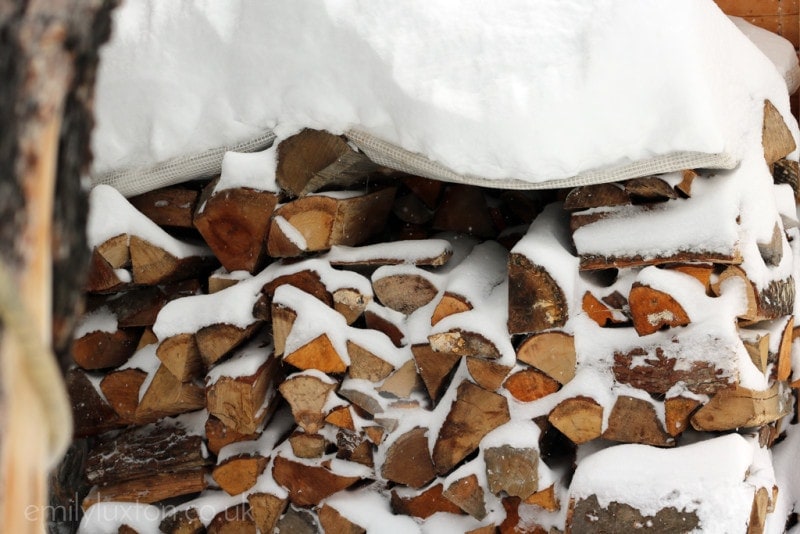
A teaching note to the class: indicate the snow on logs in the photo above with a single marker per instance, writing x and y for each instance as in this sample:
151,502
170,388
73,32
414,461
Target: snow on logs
447,354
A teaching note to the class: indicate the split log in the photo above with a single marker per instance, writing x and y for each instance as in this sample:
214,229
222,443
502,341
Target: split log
307,394
776,138
419,252
102,350
238,474
464,343
435,368
319,354
266,509
425,504
216,341
771,302
116,251
103,278
364,364
649,189
219,435
653,310
579,418
350,303
600,312
474,413
403,382
171,207
677,414
333,521
354,447
739,407
91,413
148,490
595,196
121,389
341,417
181,356
529,385
634,420
487,374
467,494
166,395
553,353
308,485
153,265
403,288
222,279
408,460
235,223
308,445
784,364
512,470
463,209
298,521
306,280
546,499
318,222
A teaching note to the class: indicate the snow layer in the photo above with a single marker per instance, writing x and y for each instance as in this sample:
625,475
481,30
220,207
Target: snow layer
481,98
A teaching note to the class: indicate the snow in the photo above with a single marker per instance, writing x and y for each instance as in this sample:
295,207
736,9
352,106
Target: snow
410,252
106,517
254,170
245,362
99,320
370,511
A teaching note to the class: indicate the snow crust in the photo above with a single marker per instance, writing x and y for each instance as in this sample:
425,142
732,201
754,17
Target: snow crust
254,170
100,320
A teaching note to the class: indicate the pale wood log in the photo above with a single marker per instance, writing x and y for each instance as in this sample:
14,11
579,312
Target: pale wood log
649,189
586,516
375,434
404,292
774,301
91,413
308,445
467,494
216,341
171,207
217,281
218,434
148,338
152,265
102,350
634,420
757,347
308,485
677,414
474,413
366,365
553,353
487,374
425,504
684,187
150,489
306,395
181,356
115,251
784,364
759,511
350,303
319,354
579,418
512,470
448,305
435,368
408,460
464,343
535,301
283,319
403,381
332,521
739,407
121,389
776,138
653,310
242,402
166,395
238,474
546,499
234,520
529,385
463,209
266,509
235,223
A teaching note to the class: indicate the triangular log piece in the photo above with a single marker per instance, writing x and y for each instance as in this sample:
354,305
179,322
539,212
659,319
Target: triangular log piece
103,278
649,189
238,474
149,489
298,521
121,389
449,304
739,407
596,196
408,460
166,395
218,340
354,447
332,521
366,365
138,307
463,209
677,414
634,420
474,413
512,470
772,251
464,343
283,319
653,310
218,435
235,223
364,400
171,207
702,272
403,381
266,509
341,417
598,311
153,265
308,445
535,301
776,138
757,346
181,356
308,485
487,374
467,494
102,350
529,385
546,498
784,367
424,504
579,418
553,353
90,412
116,251
383,324
307,395
319,354
434,368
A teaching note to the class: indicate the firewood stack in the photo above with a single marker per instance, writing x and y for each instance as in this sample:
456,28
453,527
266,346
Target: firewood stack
349,348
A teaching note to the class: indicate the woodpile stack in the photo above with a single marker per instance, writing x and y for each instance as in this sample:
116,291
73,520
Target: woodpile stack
350,348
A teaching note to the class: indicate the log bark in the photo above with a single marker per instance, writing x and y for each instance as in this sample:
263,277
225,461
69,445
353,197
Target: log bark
170,207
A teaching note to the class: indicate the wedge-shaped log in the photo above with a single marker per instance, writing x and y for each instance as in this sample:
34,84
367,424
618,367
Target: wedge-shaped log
529,385
318,222
308,485
102,350
235,223
121,389
404,288
776,138
404,381
366,365
91,413
474,413
766,303
307,394
487,374
634,420
150,489
180,355
677,414
182,522
232,520
739,407
266,509
166,395
649,189
408,460
218,435
513,470
467,494
332,521
103,278
238,474
308,445
424,504
579,418
652,310
216,341
153,265
596,195
435,368
553,353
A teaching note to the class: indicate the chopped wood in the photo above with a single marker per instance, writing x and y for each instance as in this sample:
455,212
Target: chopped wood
405,292
121,389
102,277
757,346
91,413
546,499
430,252
784,367
138,307
243,403
586,516
597,310
150,489
677,414
235,223
425,504
341,417
529,385
283,319
776,138
408,460
403,381
308,485
786,171
218,340
167,395
702,272
634,420
217,281
102,350
595,196
579,418
535,301
553,353
238,474
183,522
739,407
307,395
366,401
308,445
487,374
234,520
318,222
653,310
306,280
771,302
148,338
467,494
649,189
181,356
435,368
684,187
474,413
115,251
319,354
512,470
464,343
172,207
354,447
759,511
332,521
218,435
266,509
463,209
298,521
366,365
772,251
375,434
153,265
351,303
656,373
449,304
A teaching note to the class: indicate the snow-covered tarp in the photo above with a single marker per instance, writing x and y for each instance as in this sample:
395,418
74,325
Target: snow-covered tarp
542,94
